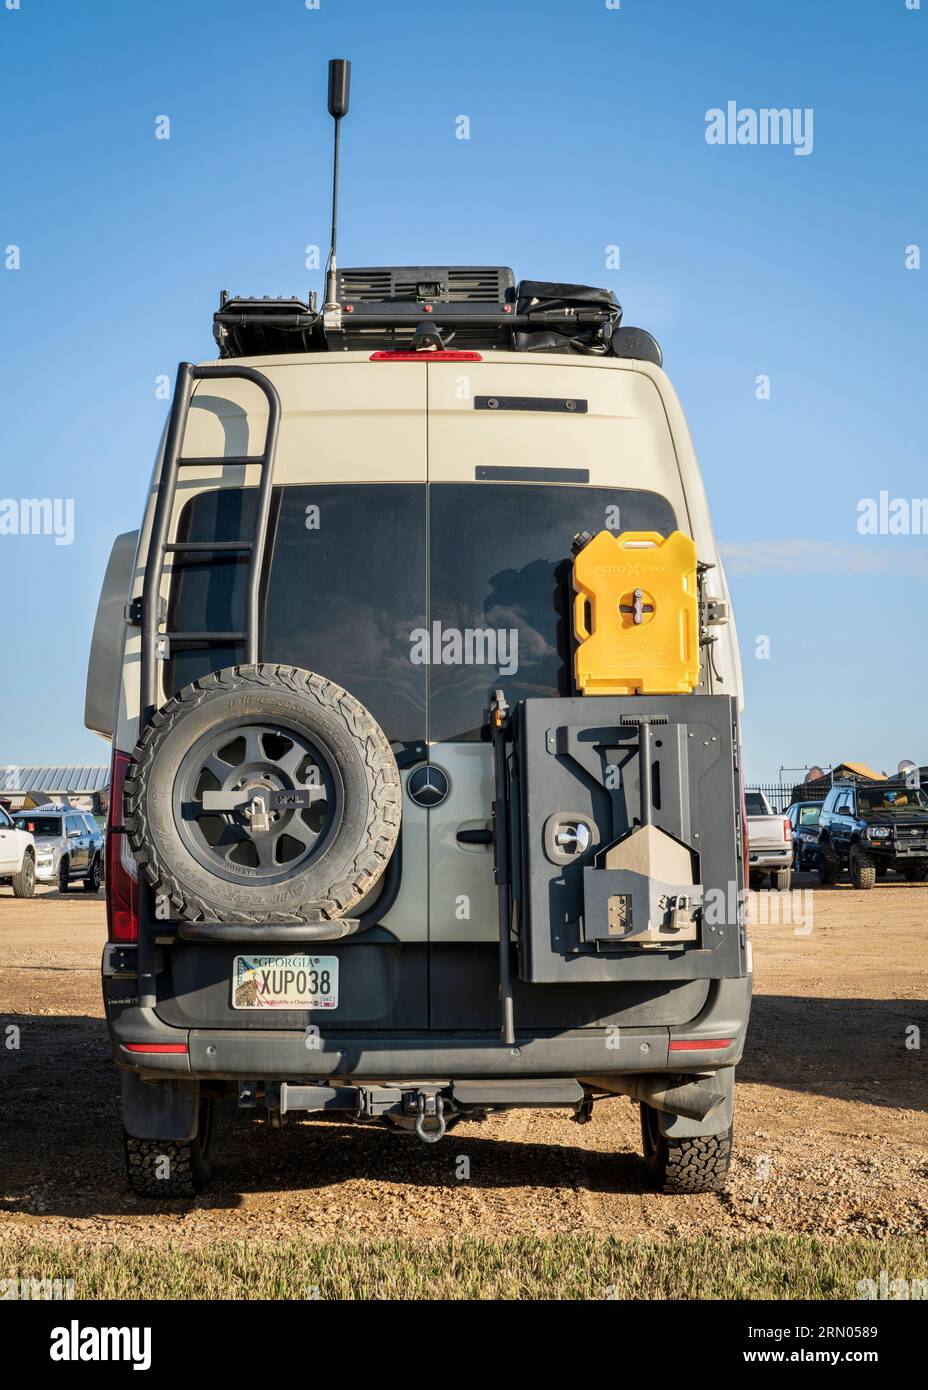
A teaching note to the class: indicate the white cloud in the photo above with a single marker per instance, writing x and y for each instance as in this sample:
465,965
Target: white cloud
822,557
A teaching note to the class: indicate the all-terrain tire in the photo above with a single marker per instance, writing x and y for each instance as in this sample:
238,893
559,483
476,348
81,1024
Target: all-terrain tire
829,865
781,879
94,877
64,874
684,1165
172,1167
359,846
862,868
24,881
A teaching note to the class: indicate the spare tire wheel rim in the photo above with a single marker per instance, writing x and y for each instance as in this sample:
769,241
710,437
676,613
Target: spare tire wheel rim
257,802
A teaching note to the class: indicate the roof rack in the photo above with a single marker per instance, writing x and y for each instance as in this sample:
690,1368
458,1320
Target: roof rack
860,779
428,307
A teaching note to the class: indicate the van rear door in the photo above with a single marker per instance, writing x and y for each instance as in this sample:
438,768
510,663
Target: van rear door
344,595
522,456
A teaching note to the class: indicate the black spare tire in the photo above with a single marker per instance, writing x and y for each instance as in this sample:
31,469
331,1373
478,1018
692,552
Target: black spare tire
262,794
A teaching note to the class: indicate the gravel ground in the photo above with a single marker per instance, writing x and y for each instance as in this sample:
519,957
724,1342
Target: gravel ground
831,1131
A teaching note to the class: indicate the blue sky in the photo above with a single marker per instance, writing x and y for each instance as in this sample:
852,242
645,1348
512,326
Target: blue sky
587,130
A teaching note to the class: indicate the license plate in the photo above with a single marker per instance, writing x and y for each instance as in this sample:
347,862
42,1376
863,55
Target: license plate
285,982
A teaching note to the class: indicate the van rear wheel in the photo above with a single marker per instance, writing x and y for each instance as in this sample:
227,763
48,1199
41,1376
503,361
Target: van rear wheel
684,1165
172,1167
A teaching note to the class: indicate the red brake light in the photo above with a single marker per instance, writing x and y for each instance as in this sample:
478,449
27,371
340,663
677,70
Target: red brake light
426,355
787,829
156,1047
699,1044
122,874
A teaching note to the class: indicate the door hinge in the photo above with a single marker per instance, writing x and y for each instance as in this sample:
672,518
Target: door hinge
133,611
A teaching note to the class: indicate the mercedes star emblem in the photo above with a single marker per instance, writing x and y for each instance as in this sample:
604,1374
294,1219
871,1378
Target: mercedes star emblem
428,785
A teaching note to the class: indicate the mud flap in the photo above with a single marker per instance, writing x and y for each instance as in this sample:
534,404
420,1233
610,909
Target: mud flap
160,1109
717,1122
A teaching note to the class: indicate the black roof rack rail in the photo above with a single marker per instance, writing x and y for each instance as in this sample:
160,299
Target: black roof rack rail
469,307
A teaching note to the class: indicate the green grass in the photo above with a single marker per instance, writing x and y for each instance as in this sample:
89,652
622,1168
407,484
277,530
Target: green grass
463,1267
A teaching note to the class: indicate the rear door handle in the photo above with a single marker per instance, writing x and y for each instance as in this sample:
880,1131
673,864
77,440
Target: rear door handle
475,837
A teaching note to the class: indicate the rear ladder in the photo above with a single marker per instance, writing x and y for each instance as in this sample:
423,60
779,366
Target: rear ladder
156,644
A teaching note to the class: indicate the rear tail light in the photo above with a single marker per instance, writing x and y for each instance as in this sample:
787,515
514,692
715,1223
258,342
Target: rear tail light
787,829
122,874
426,355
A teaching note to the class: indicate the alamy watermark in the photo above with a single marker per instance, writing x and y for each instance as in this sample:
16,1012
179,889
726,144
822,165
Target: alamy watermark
38,516
892,516
761,907
885,1288
77,1343
35,1290
469,646
765,125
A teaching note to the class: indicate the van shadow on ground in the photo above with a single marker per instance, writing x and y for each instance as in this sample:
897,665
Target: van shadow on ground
61,1147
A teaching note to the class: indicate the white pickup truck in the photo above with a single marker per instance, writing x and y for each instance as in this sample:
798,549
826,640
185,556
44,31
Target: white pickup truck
770,843
17,857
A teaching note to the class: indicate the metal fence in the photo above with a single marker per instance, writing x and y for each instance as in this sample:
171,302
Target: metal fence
777,795
783,794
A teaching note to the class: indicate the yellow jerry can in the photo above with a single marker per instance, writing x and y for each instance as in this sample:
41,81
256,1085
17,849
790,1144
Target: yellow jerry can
636,614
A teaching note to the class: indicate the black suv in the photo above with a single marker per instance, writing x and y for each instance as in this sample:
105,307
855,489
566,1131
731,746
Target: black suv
803,817
871,827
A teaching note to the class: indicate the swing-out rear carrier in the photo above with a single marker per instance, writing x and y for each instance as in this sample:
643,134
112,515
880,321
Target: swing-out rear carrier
623,835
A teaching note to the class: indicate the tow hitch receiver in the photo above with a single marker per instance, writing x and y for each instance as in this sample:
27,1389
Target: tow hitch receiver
421,1108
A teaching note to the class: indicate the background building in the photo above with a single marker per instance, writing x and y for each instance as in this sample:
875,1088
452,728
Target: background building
28,787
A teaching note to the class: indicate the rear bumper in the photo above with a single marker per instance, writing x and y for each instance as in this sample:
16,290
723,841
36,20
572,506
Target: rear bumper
770,858
277,1054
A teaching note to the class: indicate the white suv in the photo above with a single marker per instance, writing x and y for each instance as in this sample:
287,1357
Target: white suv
17,857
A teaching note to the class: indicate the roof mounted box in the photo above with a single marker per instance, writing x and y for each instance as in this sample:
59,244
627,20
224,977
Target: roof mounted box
424,284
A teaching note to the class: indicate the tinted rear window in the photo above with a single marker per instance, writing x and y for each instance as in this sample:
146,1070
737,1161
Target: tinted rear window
500,570
347,587
40,825
346,592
